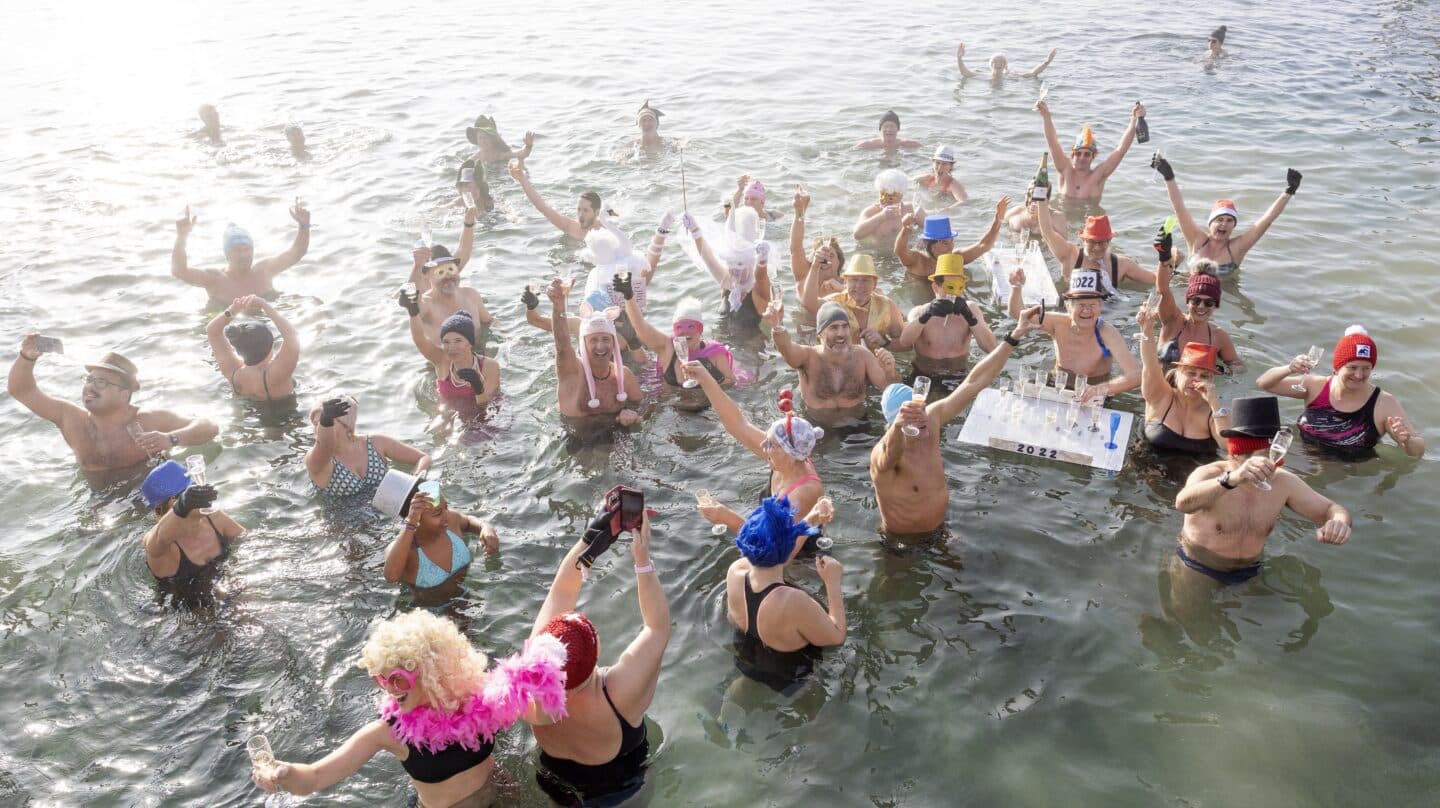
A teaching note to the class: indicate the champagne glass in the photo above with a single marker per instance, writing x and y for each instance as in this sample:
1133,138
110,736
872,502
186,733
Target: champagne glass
921,391
1072,413
705,500
1062,380
1154,177
468,198
1039,383
1152,300
1052,418
134,430
262,759
1313,355
682,355
426,237
823,545
1080,381
195,466
1279,445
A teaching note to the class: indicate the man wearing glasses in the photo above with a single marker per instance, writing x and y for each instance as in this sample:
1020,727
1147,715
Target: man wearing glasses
109,434
1084,343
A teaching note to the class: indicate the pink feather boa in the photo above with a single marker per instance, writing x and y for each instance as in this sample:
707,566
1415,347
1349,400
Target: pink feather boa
536,673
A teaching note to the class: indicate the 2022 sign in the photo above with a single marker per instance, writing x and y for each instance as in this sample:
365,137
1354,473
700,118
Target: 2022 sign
1037,451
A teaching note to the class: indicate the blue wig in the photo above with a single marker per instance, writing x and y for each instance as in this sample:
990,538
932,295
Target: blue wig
770,531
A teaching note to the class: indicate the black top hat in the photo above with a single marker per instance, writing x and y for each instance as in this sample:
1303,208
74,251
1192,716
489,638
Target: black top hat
1254,417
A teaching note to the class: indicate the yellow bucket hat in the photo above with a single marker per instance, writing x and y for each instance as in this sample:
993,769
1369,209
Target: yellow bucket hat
950,271
860,266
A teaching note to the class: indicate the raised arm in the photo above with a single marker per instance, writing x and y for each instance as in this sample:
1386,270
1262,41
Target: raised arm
1152,376
718,271
289,354
810,292
402,549
1243,242
1057,151
467,239
1035,71
984,371
1017,293
564,224
564,588
431,351
987,241
1190,228
1127,363
649,334
965,72
276,264
1112,162
902,240
633,677
1170,314
566,360
225,356
728,413
799,264
1279,380
796,356
1063,250
179,261
317,459
657,243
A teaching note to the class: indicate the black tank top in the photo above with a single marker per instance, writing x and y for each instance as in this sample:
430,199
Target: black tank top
602,779
448,762
1163,437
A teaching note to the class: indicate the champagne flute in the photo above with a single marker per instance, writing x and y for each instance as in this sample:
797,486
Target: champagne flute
1072,413
195,466
468,198
920,392
262,759
426,237
1062,380
134,430
1154,175
1094,410
682,355
1279,445
1080,381
705,500
1313,355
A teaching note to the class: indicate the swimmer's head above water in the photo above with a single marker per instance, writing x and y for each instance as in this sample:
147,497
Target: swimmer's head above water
251,339
110,384
587,210
889,126
688,320
1085,148
421,658
998,65
582,646
891,184
457,337
648,118
239,247
1223,218
832,325
770,531
597,338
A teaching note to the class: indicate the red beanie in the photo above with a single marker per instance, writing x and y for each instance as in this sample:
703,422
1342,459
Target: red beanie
1355,345
582,646
1204,285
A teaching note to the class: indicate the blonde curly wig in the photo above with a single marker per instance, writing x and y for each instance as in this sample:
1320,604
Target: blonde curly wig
446,665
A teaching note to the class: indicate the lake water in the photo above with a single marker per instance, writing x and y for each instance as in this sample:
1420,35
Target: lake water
1025,662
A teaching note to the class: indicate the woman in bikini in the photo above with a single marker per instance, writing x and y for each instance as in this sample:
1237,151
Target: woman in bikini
1193,324
187,546
1182,409
1217,240
244,351
430,554
344,464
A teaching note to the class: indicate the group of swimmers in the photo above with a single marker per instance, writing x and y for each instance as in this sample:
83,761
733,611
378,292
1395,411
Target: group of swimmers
444,703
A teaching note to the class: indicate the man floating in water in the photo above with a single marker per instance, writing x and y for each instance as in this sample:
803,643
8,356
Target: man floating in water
242,275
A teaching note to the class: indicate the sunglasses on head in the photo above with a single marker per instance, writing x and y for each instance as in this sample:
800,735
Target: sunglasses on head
1207,302
399,680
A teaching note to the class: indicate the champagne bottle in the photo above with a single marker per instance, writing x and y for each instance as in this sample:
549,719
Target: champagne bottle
1142,129
1042,179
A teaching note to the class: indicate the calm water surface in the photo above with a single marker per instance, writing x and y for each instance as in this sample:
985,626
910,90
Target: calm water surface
1025,662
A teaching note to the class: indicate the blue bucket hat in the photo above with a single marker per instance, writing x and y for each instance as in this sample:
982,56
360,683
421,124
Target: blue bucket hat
937,228
894,396
163,482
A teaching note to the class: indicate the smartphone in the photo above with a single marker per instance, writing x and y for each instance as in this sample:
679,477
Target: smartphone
49,345
628,506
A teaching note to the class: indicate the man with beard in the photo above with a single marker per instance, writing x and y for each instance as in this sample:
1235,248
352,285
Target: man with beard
938,240
1093,252
243,275
909,476
940,331
587,210
941,179
101,434
591,381
436,275
873,317
1080,178
1084,343
834,373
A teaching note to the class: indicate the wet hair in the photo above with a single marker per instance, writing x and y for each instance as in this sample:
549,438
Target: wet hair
594,200
250,339
834,244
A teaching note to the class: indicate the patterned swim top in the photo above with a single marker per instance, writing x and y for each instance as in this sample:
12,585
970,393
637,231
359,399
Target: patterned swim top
344,483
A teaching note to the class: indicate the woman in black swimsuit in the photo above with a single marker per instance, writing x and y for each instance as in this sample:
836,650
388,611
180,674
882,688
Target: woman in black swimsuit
600,748
1182,409
441,715
244,351
186,547
779,627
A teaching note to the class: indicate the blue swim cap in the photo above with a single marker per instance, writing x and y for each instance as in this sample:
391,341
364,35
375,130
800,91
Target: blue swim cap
937,228
598,300
163,482
894,396
237,236
770,531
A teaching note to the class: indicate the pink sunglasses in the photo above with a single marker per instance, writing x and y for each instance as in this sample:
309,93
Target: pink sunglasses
399,680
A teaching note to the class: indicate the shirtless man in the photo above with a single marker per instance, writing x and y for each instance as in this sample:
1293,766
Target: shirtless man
1084,343
1095,239
835,374
242,275
591,381
1000,66
436,275
587,210
1080,178
938,240
98,434
940,331
1028,218
490,147
909,476
648,119
873,317
881,220
940,179
889,139
1229,515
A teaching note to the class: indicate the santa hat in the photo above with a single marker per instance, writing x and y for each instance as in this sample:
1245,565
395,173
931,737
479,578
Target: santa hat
599,323
1355,345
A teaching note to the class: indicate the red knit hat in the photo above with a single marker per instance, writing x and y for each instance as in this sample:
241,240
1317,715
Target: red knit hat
1203,284
582,646
1356,344
1097,228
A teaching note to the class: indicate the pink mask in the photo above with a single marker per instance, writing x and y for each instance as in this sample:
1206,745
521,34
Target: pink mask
688,328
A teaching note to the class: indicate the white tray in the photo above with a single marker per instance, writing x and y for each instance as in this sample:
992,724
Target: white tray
1034,436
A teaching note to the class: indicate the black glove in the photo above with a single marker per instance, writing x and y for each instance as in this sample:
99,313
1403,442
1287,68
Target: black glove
939,307
1163,166
598,537
963,309
1292,181
624,284
196,496
529,298
332,409
410,302
471,376
1165,245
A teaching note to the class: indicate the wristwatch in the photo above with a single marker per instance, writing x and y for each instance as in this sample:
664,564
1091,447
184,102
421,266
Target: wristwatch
174,439
1224,480
1010,338
1223,412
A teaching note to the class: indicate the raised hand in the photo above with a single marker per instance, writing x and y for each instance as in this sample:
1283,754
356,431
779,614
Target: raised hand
1017,277
410,302
332,409
1029,321
939,307
802,200
1146,318
1164,244
1002,206
692,226
762,253
557,292
529,298
624,284
1162,165
517,170
667,221
470,215
1254,470
194,498
962,308
185,223
774,314
1138,111
887,360
1292,182
1042,108
300,214
742,182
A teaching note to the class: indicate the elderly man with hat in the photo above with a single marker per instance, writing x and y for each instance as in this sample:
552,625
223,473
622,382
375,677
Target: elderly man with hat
1345,413
909,476
1229,513
1217,240
873,317
107,434
242,275
1182,408
940,331
1196,322
490,147
1085,344
1093,252
1080,178
889,140
938,239
835,373
438,293
940,179
881,219
591,380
